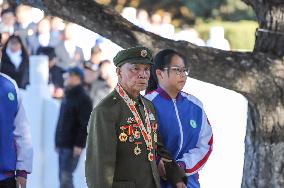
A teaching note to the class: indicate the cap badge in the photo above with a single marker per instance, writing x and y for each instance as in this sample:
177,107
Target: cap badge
143,53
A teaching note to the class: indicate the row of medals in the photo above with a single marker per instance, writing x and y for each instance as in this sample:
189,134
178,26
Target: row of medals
137,150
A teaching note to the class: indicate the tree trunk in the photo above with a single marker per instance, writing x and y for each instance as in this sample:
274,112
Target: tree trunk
270,34
264,151
258,76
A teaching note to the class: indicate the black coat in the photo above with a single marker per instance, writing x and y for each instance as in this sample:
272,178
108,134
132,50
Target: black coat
20,75
72,124
56,76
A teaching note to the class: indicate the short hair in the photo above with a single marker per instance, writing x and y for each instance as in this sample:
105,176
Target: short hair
7,10
96,49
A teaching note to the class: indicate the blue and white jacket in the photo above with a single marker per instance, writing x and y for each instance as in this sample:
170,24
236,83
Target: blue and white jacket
185,131
16,151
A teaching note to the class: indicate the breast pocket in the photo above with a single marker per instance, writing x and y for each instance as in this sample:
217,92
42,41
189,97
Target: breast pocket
123,184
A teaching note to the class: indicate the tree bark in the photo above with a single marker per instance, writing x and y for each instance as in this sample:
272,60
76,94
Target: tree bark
259,77
270,34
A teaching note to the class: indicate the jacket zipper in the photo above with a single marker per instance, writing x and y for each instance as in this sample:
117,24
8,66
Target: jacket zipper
180,127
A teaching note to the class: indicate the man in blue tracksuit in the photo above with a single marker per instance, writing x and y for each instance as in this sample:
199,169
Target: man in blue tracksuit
16,151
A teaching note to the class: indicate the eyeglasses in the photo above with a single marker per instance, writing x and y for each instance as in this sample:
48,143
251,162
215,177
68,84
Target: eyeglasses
179,70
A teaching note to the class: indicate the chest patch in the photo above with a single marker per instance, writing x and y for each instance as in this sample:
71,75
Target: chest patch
11,96
192,123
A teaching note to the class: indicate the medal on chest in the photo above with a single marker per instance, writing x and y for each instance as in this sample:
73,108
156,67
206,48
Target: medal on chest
145,130
122,136
137,150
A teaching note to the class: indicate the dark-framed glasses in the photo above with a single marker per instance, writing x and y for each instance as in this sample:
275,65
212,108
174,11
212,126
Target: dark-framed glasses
179,70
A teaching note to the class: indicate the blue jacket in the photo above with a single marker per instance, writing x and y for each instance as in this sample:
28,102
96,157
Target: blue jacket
15,143
185,131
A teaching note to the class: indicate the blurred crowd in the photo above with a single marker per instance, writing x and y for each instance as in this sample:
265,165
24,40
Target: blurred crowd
160,23
56,39
25,33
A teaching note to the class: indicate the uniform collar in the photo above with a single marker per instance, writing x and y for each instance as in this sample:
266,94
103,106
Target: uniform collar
165,95
137,100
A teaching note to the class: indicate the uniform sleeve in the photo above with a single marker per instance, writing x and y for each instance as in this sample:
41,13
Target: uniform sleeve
23,141
101,150
193,160
84,115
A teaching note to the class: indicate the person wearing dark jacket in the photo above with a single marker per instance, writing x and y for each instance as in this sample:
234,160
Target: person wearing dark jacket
15,61
55,72
72,124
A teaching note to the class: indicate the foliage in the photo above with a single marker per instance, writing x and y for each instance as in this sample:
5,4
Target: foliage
187,11
230,10
241,35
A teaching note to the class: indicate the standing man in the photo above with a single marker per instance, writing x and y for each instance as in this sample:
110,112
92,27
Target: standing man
123,146
16,153
72,124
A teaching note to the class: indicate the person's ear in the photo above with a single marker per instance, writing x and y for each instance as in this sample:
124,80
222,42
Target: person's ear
118,72
159,74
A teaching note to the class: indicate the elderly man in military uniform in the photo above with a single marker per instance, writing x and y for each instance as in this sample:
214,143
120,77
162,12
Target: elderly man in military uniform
123,146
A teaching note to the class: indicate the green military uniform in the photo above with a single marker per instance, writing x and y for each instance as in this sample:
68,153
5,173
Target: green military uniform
117,154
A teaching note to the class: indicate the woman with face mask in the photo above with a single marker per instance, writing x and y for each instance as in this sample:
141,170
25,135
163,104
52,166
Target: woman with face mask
15,61
182,122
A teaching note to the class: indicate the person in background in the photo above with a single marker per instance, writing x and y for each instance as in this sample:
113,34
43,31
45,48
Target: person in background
96,55
217,38
42,37
15,61
56,28
24,27
183,124
156,22
143,21
5,33
91,67
190,35
55,72
105,82
68,54
16,152
71,131
8,20
167,28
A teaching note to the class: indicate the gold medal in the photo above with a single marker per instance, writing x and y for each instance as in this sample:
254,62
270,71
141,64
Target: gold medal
150,156
123,137
137,150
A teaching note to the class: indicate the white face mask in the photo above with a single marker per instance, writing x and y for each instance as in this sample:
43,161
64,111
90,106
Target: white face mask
15,57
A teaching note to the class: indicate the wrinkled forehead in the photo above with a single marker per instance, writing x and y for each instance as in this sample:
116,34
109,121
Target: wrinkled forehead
136,64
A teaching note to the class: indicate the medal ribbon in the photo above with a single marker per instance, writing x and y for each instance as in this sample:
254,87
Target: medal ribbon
146,133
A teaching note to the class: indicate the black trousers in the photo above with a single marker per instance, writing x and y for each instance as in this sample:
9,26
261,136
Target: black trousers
8,183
